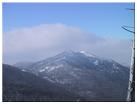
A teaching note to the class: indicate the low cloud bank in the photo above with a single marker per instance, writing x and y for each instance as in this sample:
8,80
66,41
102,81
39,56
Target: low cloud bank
35,43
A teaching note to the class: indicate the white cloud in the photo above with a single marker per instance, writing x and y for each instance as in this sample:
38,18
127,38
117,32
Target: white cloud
42,41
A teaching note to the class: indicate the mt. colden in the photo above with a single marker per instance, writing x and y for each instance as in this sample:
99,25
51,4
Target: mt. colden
68,76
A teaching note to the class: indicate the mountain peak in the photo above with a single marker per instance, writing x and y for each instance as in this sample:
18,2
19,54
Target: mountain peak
87,54
70,52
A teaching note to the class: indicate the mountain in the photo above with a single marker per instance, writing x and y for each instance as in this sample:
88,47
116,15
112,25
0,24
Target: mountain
89,76
24,86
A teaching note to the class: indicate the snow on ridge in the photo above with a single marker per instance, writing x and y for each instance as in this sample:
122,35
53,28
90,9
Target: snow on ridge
87,54
54,67
50,68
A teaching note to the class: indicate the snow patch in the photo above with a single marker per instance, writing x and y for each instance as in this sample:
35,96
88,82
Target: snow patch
96,62
64,81
115,66
45,77
23,70
47,67
42,70
51,68
73,74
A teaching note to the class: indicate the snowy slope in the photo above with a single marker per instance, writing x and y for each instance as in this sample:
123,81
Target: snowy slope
92,77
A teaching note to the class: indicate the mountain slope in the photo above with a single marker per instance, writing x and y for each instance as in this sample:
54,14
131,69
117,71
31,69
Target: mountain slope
24,86
89,76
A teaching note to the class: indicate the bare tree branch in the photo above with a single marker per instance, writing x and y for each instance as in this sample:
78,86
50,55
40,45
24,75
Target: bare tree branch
128,30
130,9
128,26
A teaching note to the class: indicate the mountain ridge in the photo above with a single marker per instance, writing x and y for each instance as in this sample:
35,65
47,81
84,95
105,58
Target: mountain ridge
93,78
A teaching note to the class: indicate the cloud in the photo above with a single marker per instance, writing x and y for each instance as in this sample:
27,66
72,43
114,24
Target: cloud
35,43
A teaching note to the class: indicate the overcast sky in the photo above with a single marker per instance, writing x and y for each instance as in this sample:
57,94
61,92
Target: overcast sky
33,32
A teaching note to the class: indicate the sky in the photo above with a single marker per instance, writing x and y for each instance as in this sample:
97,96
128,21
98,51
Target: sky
32,31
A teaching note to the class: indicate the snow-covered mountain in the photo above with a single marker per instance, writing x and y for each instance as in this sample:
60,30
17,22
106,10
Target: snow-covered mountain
92,77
